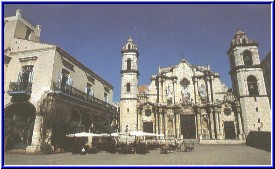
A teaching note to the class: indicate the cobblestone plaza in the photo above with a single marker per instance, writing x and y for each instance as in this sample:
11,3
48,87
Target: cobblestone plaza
203,155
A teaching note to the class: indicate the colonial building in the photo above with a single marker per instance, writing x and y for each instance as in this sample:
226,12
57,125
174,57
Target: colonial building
48,92
189,101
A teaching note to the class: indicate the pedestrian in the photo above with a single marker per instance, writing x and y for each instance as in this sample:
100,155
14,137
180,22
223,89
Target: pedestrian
83,151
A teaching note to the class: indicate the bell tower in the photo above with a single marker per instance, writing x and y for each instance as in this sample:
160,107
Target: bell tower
129,86
248,83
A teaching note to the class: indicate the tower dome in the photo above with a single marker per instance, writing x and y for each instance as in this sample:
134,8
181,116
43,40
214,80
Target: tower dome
130,46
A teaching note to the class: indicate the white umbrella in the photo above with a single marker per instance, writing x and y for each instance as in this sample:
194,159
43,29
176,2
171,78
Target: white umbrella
114,134
159,135
104,135
122,133
138,133
83,134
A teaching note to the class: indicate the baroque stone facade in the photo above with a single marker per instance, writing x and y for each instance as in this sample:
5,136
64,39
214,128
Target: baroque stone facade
190,102
49,92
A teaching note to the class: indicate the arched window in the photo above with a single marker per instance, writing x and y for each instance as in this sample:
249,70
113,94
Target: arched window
252,86
129,64
128,86
247,58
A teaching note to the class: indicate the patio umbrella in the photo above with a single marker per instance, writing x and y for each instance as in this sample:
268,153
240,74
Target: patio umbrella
137,133
114,134
83,134
104,135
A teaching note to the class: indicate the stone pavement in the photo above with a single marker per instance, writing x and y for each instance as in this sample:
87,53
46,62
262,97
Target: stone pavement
203,155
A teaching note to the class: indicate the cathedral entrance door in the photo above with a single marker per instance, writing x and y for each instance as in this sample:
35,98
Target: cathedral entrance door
229,130
188,128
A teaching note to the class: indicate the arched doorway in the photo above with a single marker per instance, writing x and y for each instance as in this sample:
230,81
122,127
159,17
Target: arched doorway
18,125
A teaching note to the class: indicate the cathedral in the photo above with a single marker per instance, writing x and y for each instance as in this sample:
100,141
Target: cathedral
186,101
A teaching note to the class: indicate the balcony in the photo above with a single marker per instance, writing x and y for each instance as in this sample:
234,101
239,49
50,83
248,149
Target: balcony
80,95
20,88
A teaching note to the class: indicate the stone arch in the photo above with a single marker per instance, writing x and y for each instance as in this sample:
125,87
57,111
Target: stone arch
19,121
247,57
87,121
76,114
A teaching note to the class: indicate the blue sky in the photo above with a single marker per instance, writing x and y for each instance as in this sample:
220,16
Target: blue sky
95,33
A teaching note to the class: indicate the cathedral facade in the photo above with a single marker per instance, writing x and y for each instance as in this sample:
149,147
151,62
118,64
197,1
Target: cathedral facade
187,101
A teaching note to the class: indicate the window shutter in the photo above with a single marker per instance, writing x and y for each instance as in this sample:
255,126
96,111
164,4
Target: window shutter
71,81
91,93
31,76
68,82
107,99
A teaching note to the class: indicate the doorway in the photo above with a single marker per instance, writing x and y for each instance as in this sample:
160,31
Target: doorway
188,127
229,130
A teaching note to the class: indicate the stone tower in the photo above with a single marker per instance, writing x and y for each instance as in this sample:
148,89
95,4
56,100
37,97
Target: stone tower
248,83
129,87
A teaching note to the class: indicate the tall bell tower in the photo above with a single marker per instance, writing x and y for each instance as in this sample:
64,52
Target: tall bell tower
129,87
248,83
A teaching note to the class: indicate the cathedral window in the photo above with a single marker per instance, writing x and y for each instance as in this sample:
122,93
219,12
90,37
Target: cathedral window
252,86
247,58
129,64
128,87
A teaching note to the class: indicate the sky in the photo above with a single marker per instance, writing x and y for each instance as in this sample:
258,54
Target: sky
165,33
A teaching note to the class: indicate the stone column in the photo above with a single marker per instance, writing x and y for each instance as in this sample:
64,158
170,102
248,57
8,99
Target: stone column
174,91
160,122
140,121
197,92
208,90
137,119
175,124
161,81
241,134
164,124
196,95
178,124
216,123
198,125
156,122
199,122
36,136
212,123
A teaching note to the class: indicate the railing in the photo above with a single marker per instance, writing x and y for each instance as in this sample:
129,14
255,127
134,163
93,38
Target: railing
20,86
81,95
